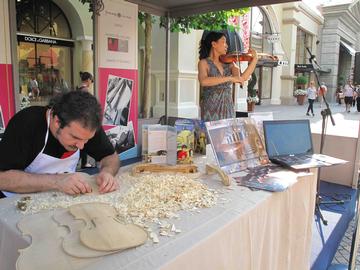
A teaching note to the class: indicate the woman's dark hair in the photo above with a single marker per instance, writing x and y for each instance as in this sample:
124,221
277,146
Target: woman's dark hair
86,76
79,106
205,44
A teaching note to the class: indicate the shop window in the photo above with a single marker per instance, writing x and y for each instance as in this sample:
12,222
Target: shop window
41,17
45,65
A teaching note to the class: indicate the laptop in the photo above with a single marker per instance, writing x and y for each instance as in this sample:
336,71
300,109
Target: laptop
289,143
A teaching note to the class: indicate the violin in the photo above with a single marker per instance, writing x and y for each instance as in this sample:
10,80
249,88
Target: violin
247,57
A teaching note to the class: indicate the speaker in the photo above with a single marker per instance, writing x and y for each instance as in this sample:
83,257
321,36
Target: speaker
357,69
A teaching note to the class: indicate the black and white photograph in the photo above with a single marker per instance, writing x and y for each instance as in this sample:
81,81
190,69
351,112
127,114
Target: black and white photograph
118,99
122,137
2,123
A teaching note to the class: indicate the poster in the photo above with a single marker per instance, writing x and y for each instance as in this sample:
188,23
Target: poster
122,137
117,101
237,144
117,74
2,123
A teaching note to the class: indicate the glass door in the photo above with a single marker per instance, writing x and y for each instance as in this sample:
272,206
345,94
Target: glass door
44,71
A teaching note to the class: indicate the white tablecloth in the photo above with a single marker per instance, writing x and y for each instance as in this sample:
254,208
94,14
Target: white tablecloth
255,230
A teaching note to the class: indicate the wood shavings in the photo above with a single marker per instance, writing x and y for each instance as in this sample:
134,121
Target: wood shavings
142,200
153,236
22,204
161,196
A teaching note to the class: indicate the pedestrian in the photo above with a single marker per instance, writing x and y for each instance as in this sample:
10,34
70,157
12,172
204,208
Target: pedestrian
321,93
311,94
348,96
339,94
357,90
86,81
34,90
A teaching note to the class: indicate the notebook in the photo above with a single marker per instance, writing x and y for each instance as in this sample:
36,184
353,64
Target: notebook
289,143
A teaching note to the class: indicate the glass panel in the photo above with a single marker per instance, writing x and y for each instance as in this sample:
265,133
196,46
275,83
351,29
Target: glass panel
256,29
47,65
42,17
266,82
267,45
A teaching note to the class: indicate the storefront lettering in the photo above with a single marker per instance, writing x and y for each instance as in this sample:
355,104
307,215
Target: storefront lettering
40,40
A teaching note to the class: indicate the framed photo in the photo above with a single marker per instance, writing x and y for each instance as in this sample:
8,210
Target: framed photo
117,102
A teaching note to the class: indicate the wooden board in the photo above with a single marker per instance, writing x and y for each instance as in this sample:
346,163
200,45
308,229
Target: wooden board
158,168
45,251
71,242
103,231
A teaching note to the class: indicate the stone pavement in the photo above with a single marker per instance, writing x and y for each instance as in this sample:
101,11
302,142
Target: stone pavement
282,112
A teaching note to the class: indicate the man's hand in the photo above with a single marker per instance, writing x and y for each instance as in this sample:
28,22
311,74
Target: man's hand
106,182
73,184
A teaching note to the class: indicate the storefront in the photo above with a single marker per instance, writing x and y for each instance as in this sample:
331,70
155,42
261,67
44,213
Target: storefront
44,50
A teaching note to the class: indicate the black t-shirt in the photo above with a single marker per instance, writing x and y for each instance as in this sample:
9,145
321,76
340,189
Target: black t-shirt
24,138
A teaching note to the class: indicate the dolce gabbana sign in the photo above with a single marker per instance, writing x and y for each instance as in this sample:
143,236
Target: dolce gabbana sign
45,40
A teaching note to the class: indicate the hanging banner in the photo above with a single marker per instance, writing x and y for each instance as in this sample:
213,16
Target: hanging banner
117,74
7,104
245,30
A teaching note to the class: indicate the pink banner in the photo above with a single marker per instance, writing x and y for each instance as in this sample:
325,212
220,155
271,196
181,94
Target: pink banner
6,92
245,30
111,75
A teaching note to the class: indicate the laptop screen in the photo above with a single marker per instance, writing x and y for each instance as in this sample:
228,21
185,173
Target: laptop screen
287,137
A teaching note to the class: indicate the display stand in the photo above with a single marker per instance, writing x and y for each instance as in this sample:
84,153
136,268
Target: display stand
325,113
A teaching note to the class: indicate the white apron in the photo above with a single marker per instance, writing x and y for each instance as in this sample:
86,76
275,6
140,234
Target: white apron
45,164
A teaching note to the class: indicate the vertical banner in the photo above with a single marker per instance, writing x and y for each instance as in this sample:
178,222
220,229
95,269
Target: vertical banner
245,30
118,75
7,104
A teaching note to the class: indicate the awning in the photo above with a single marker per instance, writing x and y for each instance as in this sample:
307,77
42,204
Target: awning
176,8
347,48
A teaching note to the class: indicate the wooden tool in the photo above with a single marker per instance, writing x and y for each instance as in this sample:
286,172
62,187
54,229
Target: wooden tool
104,231
215,169
157,168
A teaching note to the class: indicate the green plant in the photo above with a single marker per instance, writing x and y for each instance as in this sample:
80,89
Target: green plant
301,80
341,79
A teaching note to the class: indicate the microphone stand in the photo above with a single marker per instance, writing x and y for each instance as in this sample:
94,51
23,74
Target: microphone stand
325,113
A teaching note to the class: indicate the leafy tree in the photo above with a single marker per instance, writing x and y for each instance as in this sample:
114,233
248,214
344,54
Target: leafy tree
208,21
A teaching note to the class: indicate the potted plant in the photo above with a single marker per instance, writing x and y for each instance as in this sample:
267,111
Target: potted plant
252,97
300,95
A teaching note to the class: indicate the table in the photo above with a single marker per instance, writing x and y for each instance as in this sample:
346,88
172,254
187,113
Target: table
341,141
255,230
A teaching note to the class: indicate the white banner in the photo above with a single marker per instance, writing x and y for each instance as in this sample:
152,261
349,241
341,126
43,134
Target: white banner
118,33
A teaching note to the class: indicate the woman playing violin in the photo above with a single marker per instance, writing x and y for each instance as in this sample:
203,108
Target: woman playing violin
216,78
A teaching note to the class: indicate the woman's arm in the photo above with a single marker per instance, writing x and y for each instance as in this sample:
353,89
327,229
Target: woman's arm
251,67
205,80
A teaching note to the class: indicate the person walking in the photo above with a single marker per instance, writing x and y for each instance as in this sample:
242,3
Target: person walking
311,94
357,90
348,96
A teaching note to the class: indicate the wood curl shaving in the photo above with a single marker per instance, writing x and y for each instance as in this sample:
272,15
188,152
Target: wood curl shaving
161,196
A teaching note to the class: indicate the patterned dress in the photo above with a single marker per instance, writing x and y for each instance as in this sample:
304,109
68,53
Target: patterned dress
216,101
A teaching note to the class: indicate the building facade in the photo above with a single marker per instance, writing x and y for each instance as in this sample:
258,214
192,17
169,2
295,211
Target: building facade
51,41
47,43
